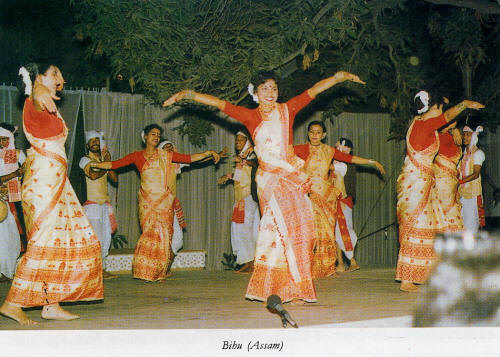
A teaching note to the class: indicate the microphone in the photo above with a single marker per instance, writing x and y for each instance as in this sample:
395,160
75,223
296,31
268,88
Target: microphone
274,303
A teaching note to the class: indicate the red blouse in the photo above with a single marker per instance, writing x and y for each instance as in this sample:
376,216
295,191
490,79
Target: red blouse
423,132
137,158
251,118
447,146
302,151
41,125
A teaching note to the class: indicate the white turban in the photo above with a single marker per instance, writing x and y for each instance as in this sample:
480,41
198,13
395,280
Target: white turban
179,166
95,134
247,145
165,142
9,134
474,139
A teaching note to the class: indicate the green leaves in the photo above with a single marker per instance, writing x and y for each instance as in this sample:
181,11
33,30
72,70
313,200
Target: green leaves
214,46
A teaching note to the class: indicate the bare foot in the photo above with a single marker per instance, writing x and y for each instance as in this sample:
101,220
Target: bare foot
340,268
56,312
408,287
108,276
354,265
246,268
16,313
297,302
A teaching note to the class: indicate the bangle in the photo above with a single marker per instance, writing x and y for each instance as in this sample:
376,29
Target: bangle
189,94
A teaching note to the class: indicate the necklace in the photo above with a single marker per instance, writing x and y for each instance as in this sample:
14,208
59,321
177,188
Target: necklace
150,156
267,108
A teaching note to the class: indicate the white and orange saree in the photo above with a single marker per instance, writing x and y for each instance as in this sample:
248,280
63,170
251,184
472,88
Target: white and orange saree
419,213
153,254
286,231
63,258
324,197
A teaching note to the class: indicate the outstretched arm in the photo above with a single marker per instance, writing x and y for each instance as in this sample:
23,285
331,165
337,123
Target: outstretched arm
453,112
197,97
369,162
338,77
340,156
204,155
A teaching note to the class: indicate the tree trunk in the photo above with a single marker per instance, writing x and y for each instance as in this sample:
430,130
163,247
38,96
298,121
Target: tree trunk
467,79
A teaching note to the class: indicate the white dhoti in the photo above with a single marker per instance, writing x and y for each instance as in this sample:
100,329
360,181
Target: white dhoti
177,236
470,213
10,246
347,211
244,235
98,215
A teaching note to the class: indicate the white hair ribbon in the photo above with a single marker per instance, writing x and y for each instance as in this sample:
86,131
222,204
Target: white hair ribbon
251,88
26,80
424,98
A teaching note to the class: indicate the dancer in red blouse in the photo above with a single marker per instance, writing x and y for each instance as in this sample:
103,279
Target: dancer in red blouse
62,260
420,215
153,254
286,231
325,196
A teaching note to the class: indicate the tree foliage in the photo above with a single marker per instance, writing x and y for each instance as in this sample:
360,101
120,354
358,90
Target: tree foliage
215,46
157,47
27,36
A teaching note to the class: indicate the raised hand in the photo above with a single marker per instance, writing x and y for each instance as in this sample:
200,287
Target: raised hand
215,156
223,179
224,152
173,99
473,105
46,100
342,76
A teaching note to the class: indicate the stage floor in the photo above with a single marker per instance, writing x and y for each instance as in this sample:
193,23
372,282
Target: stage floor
215,300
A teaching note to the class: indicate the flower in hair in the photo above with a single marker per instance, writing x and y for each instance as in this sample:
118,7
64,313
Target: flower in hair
26,80
251,88
424,98
143,137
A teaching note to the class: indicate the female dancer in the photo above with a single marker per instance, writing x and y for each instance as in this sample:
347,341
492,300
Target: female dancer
63,257
420,215
286,231
153,254
324,196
